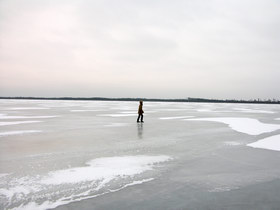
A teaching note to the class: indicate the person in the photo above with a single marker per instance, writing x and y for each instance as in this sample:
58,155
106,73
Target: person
140,111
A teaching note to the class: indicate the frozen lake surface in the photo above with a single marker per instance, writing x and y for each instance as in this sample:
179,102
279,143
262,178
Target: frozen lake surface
93,155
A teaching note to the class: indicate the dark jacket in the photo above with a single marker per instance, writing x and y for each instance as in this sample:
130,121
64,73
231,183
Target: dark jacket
140,109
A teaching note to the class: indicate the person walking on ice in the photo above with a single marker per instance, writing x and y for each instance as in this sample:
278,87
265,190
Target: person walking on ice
140,111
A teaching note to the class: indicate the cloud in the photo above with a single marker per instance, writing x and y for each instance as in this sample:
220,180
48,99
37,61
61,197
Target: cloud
144,48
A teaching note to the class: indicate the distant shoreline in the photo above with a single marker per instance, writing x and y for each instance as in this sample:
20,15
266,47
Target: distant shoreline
198,100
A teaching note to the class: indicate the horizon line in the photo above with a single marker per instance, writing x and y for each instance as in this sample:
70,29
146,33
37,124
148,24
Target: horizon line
188,99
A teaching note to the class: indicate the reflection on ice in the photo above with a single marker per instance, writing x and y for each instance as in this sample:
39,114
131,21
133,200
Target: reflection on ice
140,130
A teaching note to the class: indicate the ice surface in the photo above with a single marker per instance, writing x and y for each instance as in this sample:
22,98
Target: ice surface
95,152
271,143
243,125
2,175
233,143
17,122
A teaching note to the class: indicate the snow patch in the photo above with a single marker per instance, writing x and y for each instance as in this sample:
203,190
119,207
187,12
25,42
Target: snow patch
70,199
270,143
10,133
27,108
17,122
105,168
204,110
26,117
243,125
117,115
116,125
85,110
244,110
174,118
98,177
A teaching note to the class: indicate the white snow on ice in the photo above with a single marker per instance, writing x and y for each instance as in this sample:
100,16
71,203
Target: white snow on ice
271,143
128,112
26,117
204,110
66,200
116,125
27,108
85,110
105,168
170,110
117,115
244,110
79,183
174,118
244,125
17,122
10,133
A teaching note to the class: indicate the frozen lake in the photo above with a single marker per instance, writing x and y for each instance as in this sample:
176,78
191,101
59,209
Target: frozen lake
93,155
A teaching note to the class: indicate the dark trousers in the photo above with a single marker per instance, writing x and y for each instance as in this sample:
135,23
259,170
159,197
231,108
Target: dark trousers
140,115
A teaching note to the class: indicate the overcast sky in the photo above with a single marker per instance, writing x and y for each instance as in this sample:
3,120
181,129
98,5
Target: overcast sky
140,48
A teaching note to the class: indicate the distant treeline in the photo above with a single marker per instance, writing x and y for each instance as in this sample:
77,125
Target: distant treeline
201,100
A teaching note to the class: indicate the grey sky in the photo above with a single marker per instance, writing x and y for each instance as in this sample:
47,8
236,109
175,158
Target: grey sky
140,48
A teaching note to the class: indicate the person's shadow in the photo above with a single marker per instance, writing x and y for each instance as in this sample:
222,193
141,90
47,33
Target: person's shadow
140,130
